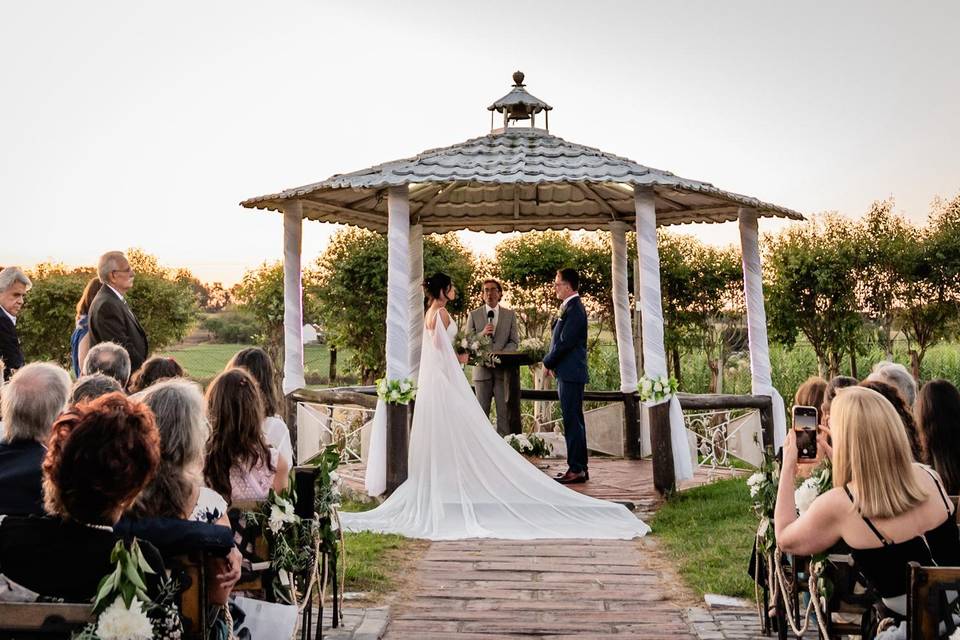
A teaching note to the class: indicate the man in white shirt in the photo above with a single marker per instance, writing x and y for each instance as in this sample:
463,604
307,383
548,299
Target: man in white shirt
14,285
500,324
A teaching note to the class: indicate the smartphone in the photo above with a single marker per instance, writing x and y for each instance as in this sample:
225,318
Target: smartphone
805,422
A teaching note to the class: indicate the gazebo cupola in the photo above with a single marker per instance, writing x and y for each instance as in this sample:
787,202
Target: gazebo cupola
519,105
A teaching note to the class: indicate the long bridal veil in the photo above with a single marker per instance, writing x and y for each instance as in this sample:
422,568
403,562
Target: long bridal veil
466,482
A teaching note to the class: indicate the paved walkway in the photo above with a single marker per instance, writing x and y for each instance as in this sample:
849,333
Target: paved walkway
556,589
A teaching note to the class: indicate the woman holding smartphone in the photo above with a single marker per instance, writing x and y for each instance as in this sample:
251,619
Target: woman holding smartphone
886,508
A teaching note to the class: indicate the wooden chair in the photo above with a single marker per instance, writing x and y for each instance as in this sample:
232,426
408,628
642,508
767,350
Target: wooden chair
256,574
927,599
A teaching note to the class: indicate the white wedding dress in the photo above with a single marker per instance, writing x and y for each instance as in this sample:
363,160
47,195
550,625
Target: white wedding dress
465,481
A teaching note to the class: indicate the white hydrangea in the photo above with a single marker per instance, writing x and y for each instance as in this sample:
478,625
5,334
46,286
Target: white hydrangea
405,385
646,386
119,623
805,494
754,483
280,513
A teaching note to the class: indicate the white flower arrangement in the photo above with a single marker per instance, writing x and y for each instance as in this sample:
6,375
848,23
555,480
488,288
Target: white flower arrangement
534,348
755,482
657,389
281,512
529,445
119,622
477,346
400,391
805,494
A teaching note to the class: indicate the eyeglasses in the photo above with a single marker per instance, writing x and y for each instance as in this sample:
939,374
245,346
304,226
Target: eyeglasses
127,270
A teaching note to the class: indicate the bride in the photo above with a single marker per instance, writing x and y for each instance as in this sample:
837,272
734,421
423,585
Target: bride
464,480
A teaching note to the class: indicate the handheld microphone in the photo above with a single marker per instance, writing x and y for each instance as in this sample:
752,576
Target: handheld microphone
490,317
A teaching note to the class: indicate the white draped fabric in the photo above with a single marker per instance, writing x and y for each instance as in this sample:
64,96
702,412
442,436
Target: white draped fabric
621,307
651,314
292,298
416,297
398,328
762,381
466,482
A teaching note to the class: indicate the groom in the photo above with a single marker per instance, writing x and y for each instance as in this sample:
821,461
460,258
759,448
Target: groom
567,362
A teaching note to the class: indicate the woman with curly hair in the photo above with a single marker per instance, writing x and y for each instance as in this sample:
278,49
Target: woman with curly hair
99,457
240,465
895,397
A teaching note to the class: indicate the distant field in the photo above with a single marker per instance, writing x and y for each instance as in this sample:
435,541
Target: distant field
204,361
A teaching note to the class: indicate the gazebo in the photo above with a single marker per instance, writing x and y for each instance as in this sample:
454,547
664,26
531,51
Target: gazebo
520,177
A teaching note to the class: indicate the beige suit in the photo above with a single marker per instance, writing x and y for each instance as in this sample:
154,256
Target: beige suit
490,382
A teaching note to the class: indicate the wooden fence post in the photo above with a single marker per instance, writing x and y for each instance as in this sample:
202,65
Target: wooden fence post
398,443
663,474
631,426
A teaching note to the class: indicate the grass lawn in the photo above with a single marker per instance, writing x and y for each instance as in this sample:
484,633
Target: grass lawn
708,532
377,563
204,361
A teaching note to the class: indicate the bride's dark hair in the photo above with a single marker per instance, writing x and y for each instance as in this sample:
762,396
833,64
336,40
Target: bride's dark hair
436,284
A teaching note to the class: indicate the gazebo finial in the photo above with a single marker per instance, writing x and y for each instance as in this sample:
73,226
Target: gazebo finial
519,105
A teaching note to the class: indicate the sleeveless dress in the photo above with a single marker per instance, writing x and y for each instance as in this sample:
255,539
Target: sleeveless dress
465,481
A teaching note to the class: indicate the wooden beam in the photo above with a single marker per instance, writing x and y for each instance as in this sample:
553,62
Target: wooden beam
367,216
588,191
334,396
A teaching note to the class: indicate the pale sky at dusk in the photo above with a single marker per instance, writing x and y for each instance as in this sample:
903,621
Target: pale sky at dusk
133,124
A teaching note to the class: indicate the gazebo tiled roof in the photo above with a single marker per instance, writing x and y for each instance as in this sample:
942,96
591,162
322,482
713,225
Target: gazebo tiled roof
517,179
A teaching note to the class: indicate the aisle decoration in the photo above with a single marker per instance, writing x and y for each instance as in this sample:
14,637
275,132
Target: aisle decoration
477,346
301,548
529,444
123,609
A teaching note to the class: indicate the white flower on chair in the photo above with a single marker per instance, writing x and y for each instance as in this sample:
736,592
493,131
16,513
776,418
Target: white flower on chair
805,494
281,513
119,623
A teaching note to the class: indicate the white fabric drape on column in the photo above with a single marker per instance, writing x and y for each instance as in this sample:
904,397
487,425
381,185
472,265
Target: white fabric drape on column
760,373
416,297
292,298
398,328
621,307
651,316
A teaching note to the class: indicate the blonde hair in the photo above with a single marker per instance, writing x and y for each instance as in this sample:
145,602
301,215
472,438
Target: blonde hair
871,449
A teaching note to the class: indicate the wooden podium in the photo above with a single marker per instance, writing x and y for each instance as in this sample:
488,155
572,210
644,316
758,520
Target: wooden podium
510,362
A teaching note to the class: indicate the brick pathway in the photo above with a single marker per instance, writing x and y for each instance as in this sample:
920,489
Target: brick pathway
556,589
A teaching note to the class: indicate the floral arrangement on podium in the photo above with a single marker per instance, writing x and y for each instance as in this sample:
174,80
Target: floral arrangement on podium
400,391
533,348
477,346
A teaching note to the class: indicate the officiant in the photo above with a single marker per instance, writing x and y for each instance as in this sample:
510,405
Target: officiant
500,324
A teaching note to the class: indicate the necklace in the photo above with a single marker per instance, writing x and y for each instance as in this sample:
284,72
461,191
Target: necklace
101,527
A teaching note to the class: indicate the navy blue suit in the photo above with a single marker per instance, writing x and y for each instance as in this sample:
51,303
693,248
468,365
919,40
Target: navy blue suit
10,351
21,478
568,360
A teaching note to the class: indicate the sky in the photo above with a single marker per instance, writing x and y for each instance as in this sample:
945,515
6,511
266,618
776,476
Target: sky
133,124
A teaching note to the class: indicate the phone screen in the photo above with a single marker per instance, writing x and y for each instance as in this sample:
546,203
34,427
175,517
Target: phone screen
805,426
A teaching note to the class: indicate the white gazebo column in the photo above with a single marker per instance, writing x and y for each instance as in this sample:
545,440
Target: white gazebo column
416,298
671,454
398,330
760,373
292,297
625,351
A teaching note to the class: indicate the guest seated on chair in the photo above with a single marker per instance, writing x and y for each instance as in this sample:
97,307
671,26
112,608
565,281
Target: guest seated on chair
888,509
937,411
240,465
100,456
92,386
154,369
897,375
895,397
177,491
256,361
108,358
32,401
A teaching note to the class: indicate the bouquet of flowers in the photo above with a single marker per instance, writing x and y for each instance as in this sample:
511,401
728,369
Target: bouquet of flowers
529,444
534,348
477,346
396,391
657,388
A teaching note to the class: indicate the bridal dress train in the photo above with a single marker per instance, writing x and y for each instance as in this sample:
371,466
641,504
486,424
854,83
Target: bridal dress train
465,481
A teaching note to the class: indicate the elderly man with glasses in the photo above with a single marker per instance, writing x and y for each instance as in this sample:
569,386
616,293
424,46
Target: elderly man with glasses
111,319
14,285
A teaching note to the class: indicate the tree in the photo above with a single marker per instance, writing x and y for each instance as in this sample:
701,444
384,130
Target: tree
812,289
930,302
165,306
351,290
882,241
